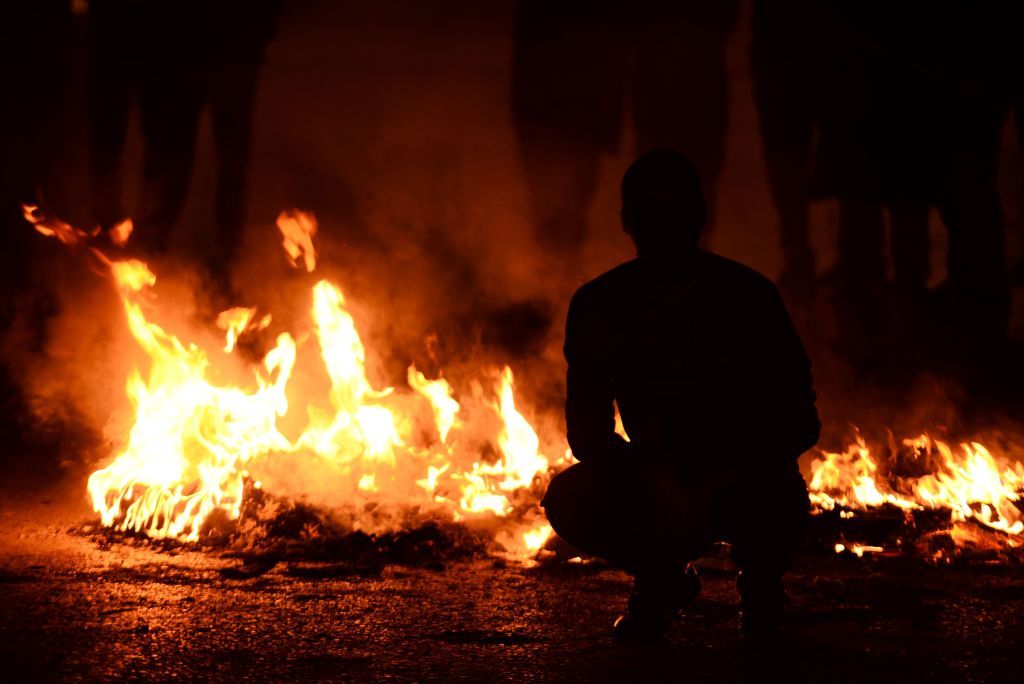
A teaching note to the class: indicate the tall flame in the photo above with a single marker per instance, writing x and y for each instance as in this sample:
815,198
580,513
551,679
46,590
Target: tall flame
194,442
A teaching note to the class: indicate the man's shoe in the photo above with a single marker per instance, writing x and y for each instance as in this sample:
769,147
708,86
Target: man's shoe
655,603
636,628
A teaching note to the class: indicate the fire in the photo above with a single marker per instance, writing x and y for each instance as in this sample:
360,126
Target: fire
120,233
186,452
238,320
968,481
194,442
297,231
858,549
471,456
51,226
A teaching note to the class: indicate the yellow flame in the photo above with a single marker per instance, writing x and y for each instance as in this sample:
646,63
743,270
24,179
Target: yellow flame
236,321
297,231
440,395
970,482
190,439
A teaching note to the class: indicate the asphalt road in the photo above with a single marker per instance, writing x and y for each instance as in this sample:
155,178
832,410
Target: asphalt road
75,609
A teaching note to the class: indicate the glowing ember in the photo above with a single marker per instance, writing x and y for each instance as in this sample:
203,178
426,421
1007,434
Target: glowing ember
858,549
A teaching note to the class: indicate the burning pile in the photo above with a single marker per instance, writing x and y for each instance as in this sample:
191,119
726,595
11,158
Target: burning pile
939,499
195,443
198,443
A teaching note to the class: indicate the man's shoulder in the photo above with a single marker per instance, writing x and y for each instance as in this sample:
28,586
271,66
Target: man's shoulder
609,282
718,272
726,273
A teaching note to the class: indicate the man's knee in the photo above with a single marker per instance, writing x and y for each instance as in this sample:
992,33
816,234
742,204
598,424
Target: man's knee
571,498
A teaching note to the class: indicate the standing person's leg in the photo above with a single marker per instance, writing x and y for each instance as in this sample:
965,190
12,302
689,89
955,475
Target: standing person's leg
859,280
911,252
680,87
561,178
786,135
113,83
765,520
910,246
785,64
567,86
232,95
171,102
978,284
978,280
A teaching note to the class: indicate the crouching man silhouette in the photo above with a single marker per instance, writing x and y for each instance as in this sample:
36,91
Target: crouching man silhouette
714,391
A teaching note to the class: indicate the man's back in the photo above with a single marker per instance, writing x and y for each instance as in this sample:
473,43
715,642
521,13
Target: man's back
701,359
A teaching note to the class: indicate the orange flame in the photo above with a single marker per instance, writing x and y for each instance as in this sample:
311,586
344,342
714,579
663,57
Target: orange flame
120,233
194,442
238,320
51,226
297,231
970,482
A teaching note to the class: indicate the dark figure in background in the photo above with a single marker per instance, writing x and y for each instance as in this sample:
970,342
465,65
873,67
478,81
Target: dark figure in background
714,390
786,66
181,58
35,52
35,40
574,63
911,118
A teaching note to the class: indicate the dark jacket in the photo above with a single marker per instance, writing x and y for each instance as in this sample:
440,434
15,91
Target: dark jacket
703,362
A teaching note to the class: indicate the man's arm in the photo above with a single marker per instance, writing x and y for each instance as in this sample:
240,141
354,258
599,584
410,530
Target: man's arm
790,424
589,407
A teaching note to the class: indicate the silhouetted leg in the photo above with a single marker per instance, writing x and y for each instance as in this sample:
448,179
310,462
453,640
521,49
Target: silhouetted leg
113,81
567,88
785,62
859,279
786,135
35,78
1017,272
910,246
637,521
231,101
680,93
978,284
765,519
561,178
908,300
645,523
171,101
978,280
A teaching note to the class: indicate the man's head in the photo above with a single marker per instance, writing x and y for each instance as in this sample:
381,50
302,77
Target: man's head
663,206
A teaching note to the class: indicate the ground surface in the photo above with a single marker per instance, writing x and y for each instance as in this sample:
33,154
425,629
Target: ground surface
74,609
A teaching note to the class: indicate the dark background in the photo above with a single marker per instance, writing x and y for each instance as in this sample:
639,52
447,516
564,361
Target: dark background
394,123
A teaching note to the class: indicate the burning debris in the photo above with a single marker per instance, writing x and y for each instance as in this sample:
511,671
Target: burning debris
923,496
208,448
195,444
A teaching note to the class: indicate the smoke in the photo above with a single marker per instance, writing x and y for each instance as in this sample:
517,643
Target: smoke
392,126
